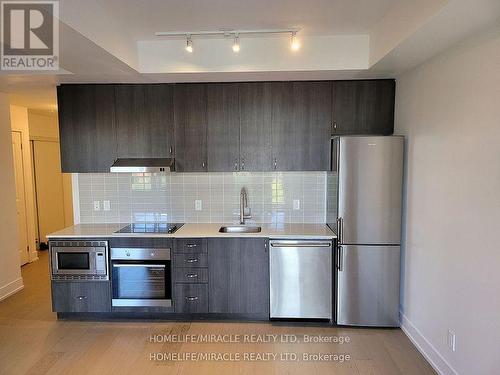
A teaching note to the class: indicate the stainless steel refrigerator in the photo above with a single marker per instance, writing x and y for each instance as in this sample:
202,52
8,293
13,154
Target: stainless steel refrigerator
364,208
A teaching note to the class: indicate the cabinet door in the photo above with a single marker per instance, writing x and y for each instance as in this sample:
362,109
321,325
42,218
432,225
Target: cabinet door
223,127
86,127
190,108
255,126
144,121
238,276
363,107
91,296
301,125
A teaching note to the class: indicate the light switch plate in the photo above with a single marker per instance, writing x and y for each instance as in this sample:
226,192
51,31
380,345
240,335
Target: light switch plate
198,205
106,205
296,204
97,206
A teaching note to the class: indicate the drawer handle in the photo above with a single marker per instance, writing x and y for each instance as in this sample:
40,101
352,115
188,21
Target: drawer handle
191,275
191,245
81,298
191,299
192,260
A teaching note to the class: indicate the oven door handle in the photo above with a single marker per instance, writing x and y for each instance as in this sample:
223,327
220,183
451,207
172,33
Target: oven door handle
140,265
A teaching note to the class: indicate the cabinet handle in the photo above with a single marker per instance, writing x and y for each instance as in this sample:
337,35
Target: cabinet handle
80,298
170,150
203,164
334,126
236,165
193,260
242,164
190,245
191,275
191,299
275,163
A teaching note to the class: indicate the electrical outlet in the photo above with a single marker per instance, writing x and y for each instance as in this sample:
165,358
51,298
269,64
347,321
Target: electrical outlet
197,205
106,205
452,340
296,204
97,206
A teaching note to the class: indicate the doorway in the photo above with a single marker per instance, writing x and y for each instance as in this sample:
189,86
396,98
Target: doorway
17,149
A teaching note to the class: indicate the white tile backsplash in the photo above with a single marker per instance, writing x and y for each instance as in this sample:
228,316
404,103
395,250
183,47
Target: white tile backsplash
136,197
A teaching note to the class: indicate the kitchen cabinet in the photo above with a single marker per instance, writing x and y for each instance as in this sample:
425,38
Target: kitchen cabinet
238,276
301,123
363,107
144,121
190,117
255,126
191,298
223,127
78,296
86,127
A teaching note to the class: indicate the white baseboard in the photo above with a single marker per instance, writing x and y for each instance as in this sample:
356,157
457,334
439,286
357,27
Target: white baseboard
428,350
11,288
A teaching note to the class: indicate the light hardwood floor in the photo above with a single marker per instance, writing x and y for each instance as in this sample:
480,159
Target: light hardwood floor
32,341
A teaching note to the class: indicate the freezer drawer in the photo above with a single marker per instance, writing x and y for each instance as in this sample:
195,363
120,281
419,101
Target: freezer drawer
301,279
368,285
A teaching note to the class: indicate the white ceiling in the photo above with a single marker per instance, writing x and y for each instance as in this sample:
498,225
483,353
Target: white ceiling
103,40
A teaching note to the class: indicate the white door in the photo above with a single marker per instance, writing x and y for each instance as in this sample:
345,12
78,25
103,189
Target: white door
49,188
20,197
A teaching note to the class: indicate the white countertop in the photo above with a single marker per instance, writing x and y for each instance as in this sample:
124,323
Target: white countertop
273,231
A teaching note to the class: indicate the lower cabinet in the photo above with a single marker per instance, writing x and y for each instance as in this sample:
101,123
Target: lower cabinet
191,298
84,296
238,281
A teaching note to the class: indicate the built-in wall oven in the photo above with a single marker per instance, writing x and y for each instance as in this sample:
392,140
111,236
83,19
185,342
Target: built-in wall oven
79,260
141,277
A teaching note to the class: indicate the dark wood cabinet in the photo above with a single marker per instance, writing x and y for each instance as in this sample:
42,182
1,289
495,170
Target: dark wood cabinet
238,276
86,127
363,107
223,127
249,126
81,296
301,125
255,126
190,111
144,121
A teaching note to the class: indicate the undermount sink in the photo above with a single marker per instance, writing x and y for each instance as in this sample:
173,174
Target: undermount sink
240,229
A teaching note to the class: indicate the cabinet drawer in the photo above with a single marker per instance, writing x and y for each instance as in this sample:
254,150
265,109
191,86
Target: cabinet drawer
191,245
93,296
190,260
190,275
191,298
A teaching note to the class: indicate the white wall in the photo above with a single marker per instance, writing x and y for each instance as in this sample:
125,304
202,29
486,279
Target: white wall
10,274
449,109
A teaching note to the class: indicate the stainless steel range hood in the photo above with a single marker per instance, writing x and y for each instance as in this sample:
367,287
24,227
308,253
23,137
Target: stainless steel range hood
143,165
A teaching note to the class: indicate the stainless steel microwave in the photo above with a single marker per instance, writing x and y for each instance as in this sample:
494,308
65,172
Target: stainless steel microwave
79,260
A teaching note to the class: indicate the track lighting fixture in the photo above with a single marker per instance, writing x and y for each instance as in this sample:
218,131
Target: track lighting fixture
236,43
189,44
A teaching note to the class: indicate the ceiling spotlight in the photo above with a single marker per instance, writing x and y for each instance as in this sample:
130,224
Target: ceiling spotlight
189,44
294,43
236,43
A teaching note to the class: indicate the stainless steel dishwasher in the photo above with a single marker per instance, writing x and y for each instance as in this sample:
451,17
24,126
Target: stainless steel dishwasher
301,279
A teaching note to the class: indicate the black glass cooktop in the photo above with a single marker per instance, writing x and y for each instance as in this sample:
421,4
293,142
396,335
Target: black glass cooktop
150,228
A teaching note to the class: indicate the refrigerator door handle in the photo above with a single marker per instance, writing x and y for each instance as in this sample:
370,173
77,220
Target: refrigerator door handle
340,254
340,230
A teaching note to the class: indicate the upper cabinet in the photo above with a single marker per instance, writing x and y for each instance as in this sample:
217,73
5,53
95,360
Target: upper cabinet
255,126
190,110
223,127
86,127
301,125
144,121
363,107
248,126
